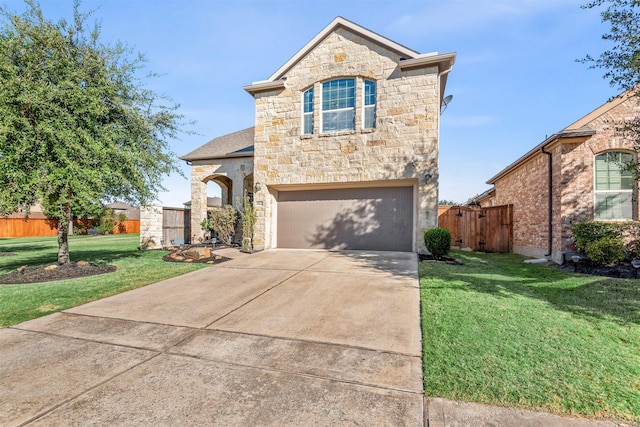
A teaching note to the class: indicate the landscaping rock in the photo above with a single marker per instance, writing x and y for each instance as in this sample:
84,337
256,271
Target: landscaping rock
21,269
50,267
81,263
197,253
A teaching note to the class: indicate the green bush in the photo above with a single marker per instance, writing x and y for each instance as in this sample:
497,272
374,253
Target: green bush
606,250
587,232
437,241
222,221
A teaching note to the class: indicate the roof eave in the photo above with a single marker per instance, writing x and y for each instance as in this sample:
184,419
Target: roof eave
220,157
443,61
265,86
553,138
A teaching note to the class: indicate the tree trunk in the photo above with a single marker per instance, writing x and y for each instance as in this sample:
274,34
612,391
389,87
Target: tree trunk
63,236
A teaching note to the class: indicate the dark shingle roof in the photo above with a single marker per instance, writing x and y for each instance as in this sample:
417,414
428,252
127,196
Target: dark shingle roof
236,144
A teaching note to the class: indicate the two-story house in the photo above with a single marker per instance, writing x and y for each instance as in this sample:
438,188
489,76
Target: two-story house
344,151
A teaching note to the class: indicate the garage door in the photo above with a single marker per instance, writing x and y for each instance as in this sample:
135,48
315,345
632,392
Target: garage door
354,218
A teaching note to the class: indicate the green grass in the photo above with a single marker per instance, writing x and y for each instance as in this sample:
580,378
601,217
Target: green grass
19,303
501,332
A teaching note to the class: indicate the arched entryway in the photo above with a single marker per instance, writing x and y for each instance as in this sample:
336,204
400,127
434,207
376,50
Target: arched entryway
226,187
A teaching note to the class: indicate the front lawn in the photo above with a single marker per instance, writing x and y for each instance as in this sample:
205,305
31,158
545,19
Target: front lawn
19,303
501,332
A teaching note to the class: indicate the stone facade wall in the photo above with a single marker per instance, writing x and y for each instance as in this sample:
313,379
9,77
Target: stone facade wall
151,227
402,147
573,185
234,169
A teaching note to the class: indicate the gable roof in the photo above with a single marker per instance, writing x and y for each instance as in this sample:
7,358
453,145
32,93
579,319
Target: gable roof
236,144
340,22
584,132
410,58
603,109
579,128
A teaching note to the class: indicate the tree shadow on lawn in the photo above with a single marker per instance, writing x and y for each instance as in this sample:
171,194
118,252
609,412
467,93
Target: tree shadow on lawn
600,297
98,256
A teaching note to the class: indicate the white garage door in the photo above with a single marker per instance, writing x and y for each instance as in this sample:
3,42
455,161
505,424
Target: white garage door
349,218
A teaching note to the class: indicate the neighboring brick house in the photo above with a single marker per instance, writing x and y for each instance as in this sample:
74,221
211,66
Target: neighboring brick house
580,168
344,151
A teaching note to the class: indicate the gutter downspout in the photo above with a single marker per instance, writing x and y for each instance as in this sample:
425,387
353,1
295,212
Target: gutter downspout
550,201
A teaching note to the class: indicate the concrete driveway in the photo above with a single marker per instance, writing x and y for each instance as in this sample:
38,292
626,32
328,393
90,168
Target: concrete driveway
281,337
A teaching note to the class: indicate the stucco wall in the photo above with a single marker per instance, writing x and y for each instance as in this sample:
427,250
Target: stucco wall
403,146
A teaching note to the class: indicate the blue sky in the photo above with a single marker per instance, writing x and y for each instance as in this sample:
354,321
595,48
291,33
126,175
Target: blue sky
515,80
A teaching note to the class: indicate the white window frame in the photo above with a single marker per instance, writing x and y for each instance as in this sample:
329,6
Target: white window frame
366,107
306,114
337,110
621,192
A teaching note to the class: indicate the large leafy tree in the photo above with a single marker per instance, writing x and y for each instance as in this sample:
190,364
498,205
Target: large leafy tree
621,62
78,127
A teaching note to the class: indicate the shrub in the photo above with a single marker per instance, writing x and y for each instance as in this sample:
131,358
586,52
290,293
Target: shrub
437,241
249,218
222,221
587,232
606,250
631,238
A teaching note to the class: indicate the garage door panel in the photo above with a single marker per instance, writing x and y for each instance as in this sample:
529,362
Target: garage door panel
362,218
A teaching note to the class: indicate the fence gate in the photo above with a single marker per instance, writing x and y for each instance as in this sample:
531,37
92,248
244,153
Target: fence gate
176,226
481,229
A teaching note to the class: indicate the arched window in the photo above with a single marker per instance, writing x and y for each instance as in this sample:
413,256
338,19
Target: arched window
338,105
613,186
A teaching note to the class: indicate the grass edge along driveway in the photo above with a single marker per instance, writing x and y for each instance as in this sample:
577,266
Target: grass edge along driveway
19,303
501,332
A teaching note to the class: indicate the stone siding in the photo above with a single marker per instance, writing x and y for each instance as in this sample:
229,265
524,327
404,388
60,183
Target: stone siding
151,227
403,147
235,170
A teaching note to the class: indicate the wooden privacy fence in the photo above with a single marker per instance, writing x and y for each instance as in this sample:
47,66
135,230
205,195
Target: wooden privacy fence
42,227
480,229
176,226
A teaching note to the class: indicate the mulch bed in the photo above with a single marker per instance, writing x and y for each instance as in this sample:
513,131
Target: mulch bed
7,254
623,270
38,274
446,259
182,254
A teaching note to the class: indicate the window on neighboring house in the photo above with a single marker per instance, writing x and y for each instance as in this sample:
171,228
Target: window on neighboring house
613,186
338,105
307,111
369,121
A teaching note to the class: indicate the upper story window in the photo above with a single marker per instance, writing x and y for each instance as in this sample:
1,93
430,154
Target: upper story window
369,120
613,186
307,111
338,105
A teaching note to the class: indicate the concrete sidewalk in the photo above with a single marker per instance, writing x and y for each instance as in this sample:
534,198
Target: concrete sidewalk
280,337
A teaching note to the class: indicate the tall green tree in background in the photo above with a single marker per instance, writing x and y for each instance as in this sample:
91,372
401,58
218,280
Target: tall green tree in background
77,126
621,62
